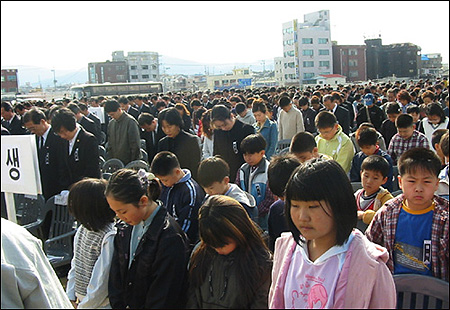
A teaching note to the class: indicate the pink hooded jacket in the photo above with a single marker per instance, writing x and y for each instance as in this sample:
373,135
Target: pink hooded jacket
364,282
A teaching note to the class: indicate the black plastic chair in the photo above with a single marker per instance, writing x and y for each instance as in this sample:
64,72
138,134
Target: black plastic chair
138,164
421,292
144,155
112,165
101,162
282,144
32,213
101,151
395,186
356,186
143,144
59,246
102,137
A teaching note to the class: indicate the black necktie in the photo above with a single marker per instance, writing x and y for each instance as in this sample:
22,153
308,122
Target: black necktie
41,144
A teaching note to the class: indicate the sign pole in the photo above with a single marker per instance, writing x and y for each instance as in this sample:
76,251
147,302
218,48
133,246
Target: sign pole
10,207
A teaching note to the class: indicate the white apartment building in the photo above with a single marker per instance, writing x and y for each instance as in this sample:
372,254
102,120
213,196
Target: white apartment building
278,70
142,66
307,49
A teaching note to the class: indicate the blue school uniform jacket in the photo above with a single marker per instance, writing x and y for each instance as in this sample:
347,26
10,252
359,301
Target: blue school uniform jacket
182,202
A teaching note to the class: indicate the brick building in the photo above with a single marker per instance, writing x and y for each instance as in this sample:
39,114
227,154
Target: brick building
9,81
350,61
108,71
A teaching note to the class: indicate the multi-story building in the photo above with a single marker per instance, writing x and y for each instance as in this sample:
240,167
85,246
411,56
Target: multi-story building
350,61
143,66
401,59
307,49
108,71
240,78
9,81
431,65
278,70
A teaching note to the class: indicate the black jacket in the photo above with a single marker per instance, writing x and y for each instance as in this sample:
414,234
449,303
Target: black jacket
133,112
157,277
228,145
97,123
83,160
309,116
186,147
152,143
90,126
144,108
343,118
15,126
375,113
52,166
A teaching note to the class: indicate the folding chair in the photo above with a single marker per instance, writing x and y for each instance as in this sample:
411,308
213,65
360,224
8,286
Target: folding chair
112,165
101,151
59,246
144,155
138,164
32,213
421,292
282,144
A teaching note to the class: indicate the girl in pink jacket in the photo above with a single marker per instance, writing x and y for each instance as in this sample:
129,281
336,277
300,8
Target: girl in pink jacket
324,262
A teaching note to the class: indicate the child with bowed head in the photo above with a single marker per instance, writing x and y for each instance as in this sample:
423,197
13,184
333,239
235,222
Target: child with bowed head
323,261
151,252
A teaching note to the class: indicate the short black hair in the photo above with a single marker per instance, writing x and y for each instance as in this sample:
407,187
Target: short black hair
366,137
240,107
404,121
74,108
303,101
419,158
88,204
63,117
325,119
413,109
212,169
310,182
111,106
164,163
279,172
171,116
284,101
123,100
376,163
444,144
302,142
393,108
253,143
436,109
34,115
220,113
437,135
145,118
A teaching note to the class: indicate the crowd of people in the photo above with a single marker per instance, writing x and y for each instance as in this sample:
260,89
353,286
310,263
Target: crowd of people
228,217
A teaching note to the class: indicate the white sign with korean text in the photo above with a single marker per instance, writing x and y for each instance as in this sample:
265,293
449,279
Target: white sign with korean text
20,166
98,111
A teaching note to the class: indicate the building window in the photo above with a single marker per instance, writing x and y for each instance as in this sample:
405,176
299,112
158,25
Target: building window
216,83
308,75
145,76
353,63
308,53
133,67
246,72
134,77
12,90
308,64
353,52
120,77
145,67
3,78
11,78
323,40
291,65
307,41
324,52
353,74
154,76
153,67
290,53
324,64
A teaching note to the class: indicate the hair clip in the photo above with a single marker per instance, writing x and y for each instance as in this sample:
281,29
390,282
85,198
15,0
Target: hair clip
145,177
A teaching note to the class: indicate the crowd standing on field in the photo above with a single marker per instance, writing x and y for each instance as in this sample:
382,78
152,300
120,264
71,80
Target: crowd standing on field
250,199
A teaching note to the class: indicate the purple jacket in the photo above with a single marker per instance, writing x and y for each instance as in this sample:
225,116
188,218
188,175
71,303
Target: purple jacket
364,282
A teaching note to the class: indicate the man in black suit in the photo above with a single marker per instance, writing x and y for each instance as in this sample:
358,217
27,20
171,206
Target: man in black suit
84,110
11,120
331,104
151,132
81,147
125,105
50,152
87,123
141,106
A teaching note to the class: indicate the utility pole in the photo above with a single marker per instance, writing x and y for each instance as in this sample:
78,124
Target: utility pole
264,66
54,78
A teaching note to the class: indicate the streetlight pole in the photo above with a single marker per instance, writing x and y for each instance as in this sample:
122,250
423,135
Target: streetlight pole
54,78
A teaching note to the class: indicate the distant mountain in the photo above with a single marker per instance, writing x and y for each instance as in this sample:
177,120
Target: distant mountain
40,76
